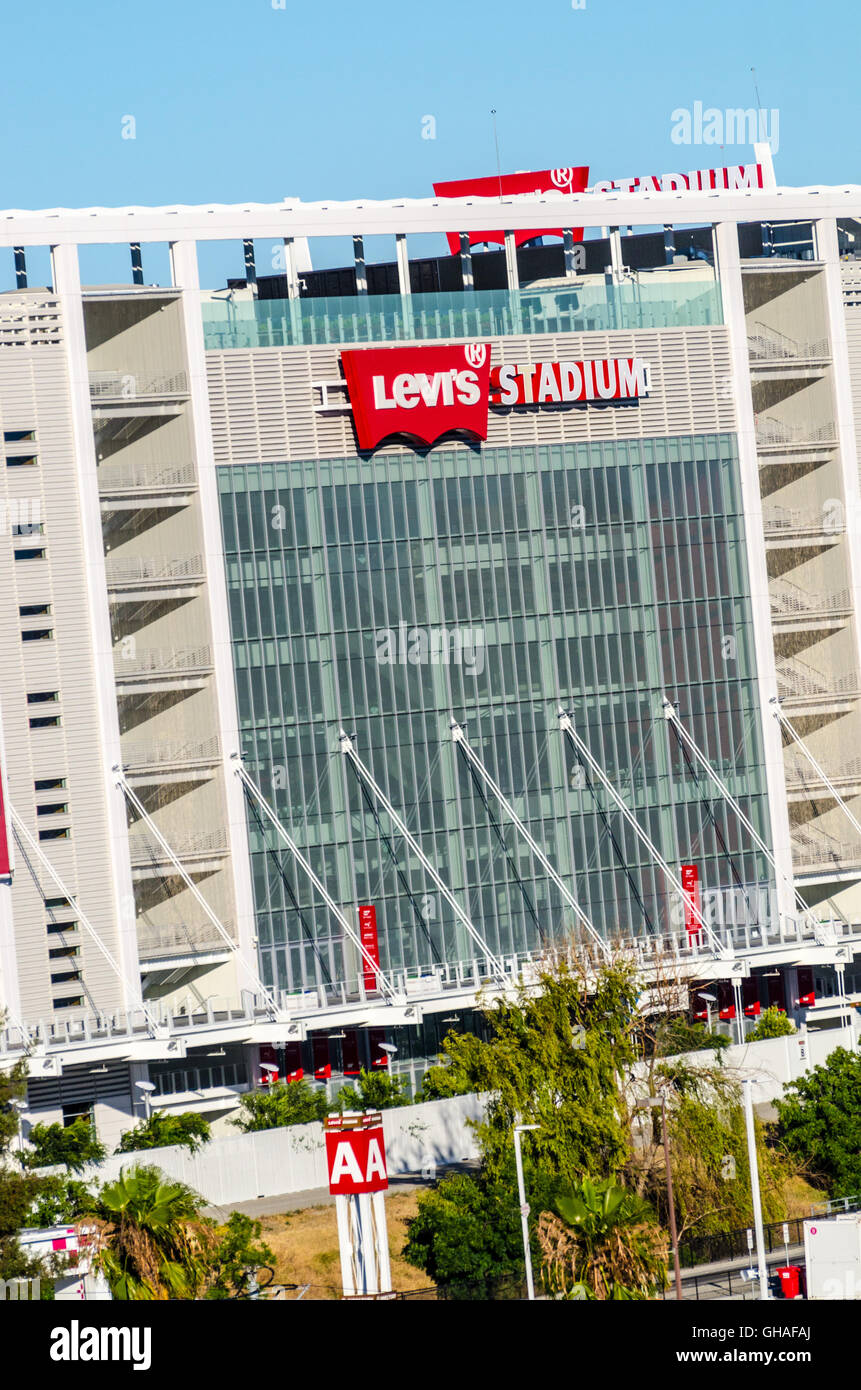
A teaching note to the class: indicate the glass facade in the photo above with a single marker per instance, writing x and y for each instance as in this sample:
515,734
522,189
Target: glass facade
387,594
385,318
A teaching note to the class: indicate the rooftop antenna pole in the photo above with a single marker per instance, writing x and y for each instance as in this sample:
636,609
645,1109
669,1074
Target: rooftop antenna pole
756,90
496,143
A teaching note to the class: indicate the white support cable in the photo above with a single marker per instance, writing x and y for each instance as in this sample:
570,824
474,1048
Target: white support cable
567,727
671,715
460,738
349,751
386,985
157,1029
784,722
135,802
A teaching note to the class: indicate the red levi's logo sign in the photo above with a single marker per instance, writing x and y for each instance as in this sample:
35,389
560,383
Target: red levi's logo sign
5,865
570,180
420,391
356,1160
427,391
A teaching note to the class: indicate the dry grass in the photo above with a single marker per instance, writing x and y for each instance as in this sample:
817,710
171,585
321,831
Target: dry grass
800,1196
306,1247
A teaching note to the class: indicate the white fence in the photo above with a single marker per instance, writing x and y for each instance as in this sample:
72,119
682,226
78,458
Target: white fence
274,1161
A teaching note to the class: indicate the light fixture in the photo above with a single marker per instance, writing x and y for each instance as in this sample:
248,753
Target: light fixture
218,1053
388,1047
712,998
145,1086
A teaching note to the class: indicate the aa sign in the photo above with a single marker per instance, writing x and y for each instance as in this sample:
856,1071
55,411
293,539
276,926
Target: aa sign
357,1161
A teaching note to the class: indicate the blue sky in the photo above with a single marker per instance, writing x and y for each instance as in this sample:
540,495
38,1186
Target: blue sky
236,99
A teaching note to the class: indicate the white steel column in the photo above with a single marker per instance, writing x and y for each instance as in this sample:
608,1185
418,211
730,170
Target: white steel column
672,878
184,266
844,416
738,385
135,802
116,966
349,751
67,285
459,738
10,994
671,715
384,982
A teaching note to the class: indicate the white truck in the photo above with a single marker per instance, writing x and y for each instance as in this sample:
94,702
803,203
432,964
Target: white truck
832,1254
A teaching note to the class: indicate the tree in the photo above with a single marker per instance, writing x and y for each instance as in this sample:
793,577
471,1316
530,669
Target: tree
677,1036
239,1255
708,1151
13,1086
376,1091
772,1024
554,1058
151,1242
73,1145
467,1235
60,1201
441,1082
601,1242
18,1190
291,1103
161,1129
819,1122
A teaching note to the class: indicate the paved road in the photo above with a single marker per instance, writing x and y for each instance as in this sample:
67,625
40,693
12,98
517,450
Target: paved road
320,1196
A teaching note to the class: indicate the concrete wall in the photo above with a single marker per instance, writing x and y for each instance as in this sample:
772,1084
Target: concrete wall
273,1161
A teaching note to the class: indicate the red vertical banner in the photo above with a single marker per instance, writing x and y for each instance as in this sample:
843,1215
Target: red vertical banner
691,889
5,864
370,941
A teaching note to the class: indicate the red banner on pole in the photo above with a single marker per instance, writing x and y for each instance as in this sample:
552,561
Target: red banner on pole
5,864
693,911
370,941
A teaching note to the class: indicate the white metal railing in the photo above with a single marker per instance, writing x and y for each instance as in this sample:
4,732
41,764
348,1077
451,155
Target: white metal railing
816,849
771,431
650,953
769,345
145,850
140,569
159,661
799,773
788,599
778,520
178,938
167,753
795,678
136,477
128,386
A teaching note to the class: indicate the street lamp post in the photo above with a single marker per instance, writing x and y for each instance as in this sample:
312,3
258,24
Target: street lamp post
655,1102
147,1087
747,1090
524,1207
710,999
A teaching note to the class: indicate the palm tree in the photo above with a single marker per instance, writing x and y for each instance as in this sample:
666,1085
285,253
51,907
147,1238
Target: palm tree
601,1238
150,1240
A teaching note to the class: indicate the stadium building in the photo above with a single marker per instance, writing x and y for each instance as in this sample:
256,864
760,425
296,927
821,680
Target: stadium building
372,626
